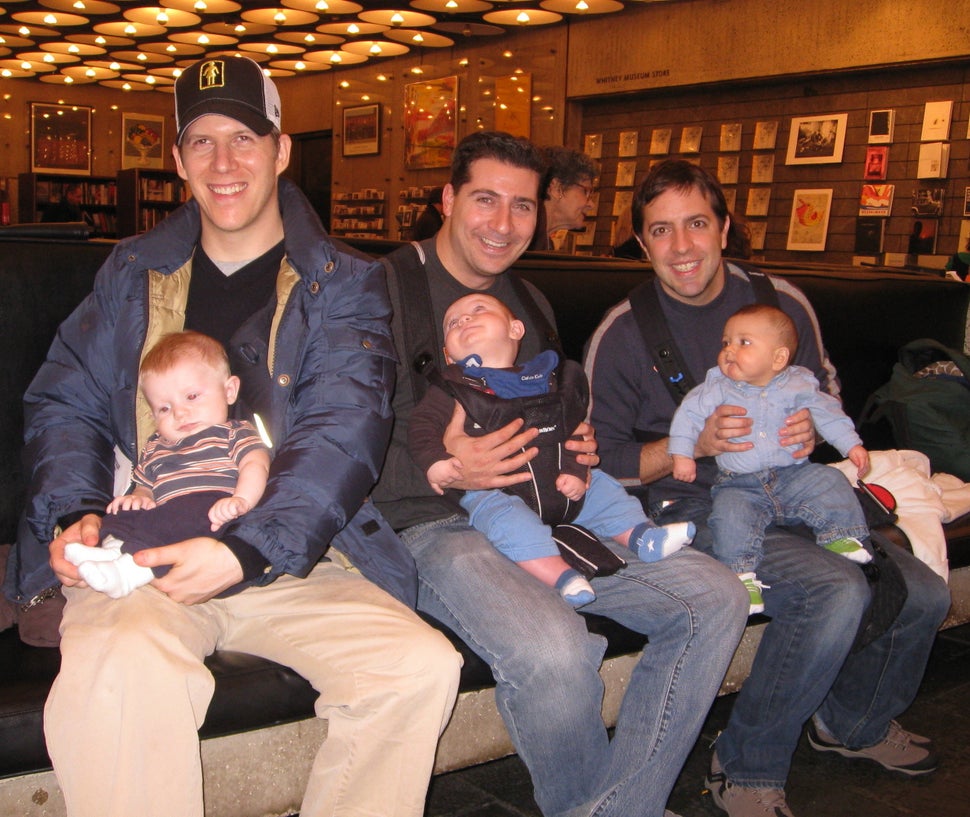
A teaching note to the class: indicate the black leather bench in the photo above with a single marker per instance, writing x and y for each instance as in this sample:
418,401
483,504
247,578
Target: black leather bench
40,282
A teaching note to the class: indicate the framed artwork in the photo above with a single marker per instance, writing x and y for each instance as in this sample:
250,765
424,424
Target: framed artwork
816,140
876,200
928,202
690,139
758,199
660,142
727,169
626,173
623,200
430,122
877,164
936,121
808,226
593,145
869,235
757,230
966,202
60,139
763,168
362,130
765,135
731,136
922,240
628,143
142,141
730,198
882,125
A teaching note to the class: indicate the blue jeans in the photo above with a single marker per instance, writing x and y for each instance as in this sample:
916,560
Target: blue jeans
545,663
815,599
518,532
745,505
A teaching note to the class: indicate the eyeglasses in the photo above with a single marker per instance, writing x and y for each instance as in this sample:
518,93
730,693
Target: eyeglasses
587,189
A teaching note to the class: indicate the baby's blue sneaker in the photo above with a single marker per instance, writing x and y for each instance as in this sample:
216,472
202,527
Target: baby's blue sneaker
652,543
574,588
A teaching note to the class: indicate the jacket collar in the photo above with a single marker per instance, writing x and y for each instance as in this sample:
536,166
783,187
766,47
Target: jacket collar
310,250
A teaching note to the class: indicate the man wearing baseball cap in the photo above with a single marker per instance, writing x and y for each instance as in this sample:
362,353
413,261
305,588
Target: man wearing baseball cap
306,328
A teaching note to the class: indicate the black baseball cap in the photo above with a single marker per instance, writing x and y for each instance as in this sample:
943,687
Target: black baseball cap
231,86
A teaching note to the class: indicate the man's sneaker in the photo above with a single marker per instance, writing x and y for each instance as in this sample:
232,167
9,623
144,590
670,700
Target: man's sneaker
851,548
899,751
754,588
740,801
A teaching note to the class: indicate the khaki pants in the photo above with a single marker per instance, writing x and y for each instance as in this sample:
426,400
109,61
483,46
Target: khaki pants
123,715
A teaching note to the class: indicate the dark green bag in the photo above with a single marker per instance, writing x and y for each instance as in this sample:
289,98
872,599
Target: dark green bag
927,403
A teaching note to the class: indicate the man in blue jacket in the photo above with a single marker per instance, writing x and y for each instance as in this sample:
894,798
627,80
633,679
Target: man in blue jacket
306,327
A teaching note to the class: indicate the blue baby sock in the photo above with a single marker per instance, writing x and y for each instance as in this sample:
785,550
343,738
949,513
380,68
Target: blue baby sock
574,588
652,543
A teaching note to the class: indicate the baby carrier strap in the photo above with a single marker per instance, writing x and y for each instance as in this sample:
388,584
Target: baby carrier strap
417,313
659,340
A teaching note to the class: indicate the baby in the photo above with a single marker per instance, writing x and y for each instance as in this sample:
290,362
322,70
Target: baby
766,485
481,343
198,471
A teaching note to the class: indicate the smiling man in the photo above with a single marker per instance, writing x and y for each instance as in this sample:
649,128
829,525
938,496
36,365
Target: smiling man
247,262
804,670
544,660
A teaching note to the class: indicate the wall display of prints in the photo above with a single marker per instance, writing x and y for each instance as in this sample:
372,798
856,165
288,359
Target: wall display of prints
727,169
628,143
758,198
660,141
876,200
690,139
765,135
731,136
593,145
763,168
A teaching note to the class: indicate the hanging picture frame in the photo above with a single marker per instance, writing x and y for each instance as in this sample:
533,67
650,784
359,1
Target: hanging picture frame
816,139
362,130
60,139
142,141
430,122
808,226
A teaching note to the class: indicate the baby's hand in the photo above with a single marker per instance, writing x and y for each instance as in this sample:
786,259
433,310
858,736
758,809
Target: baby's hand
685,469
130,502
443,473
859,457
225,510
571,486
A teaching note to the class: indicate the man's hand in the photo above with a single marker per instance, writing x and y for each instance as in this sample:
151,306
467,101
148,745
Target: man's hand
583,442
798,430
726,423
87,531
489,461
201,568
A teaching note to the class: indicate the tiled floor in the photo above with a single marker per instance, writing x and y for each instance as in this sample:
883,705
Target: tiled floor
819,785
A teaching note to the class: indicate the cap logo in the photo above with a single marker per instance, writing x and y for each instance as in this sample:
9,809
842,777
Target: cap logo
212,74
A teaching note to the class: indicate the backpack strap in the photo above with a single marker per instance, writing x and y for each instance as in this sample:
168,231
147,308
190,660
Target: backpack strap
417,316
417,313
659,340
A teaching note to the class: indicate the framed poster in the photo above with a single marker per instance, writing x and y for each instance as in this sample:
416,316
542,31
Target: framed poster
660,142
936,121
690,139
362,130
882,125
142,140
877,164
626,172
430,122
758,199
727,169
731,136
765,135
593,145
816,140
628,142
876,200
60,139
763,168
808,226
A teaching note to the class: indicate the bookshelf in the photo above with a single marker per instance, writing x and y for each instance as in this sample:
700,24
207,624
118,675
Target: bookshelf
39,192
359,214
145,197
